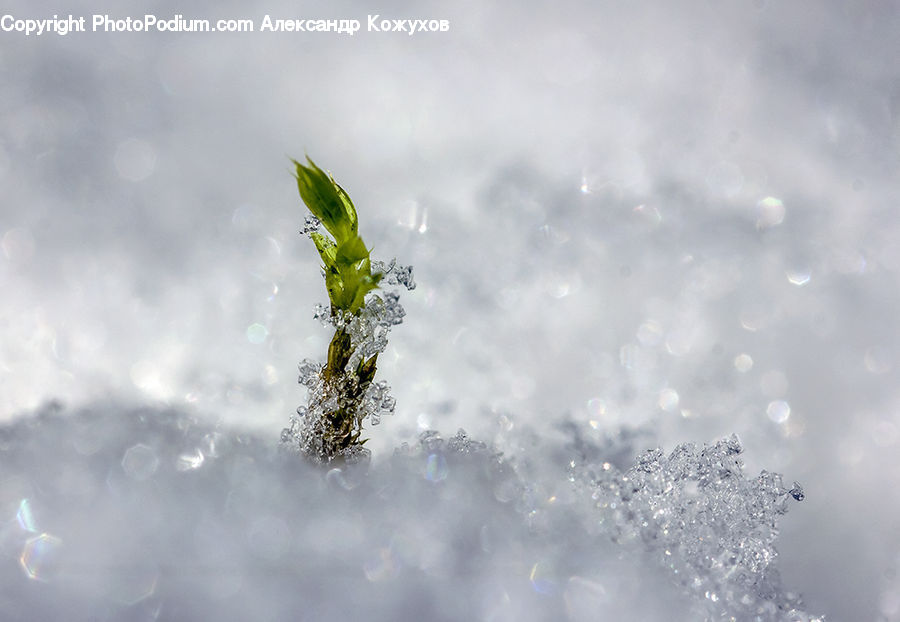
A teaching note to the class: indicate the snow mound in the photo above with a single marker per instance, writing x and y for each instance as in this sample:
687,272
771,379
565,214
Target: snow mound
118,513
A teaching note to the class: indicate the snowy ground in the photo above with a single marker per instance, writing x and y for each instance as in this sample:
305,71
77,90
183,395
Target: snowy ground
655,223
195,523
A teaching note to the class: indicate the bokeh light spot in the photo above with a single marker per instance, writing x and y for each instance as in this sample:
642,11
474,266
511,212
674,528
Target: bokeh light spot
596,407
135,585
436,468
26,517
381,567
769,213
798,277
39,556
135,160
878,360
778,411
18,245
885,433
140,462
270,375
257,333
190,461
650,333
668,400
542,579
146,376
743,363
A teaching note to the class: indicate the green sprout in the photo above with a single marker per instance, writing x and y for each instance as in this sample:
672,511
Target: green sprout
348,269
341,391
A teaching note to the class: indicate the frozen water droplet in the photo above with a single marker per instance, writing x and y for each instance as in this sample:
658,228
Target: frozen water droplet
322,314
395,274
431,440
797,492
405,277
649,460
310,225
463,444
309,372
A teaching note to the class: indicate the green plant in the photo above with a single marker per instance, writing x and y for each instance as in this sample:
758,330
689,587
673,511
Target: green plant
341,392
348,270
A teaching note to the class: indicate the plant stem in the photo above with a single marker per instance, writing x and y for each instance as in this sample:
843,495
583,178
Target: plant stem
341,393
345,422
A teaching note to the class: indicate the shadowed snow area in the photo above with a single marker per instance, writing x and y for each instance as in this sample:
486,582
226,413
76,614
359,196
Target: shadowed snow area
147,515
654,223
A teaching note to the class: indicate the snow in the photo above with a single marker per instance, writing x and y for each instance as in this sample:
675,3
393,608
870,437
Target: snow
144,514
649,224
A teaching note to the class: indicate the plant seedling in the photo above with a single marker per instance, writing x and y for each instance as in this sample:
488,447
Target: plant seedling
341,392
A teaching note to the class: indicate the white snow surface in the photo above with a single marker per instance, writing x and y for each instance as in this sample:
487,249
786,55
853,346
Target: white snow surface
656,222
146,514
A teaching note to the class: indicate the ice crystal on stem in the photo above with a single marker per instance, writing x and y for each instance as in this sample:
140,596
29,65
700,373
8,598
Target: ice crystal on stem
342,393
395,274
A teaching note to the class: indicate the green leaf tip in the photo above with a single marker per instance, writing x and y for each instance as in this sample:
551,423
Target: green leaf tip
348,269
326,199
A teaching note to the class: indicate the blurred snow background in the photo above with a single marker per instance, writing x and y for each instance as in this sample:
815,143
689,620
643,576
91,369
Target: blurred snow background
673,218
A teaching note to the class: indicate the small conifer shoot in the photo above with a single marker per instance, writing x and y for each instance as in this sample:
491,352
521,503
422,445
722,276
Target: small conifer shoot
342,392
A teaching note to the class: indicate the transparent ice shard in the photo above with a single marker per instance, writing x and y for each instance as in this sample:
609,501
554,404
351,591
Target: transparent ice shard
697,513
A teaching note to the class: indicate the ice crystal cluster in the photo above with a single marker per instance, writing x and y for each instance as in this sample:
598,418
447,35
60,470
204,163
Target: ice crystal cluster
368,330
698,515
148,514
